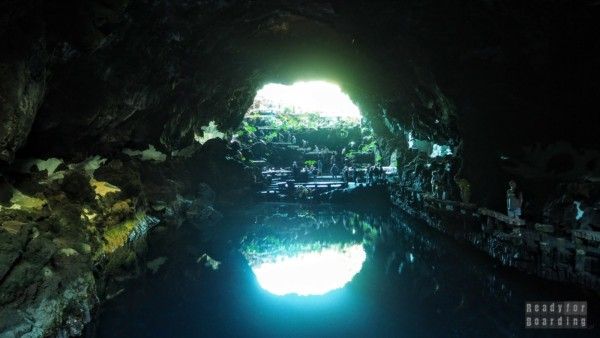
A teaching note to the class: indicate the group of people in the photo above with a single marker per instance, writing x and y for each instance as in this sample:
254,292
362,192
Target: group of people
375,173
348,173
316,169
514,196
305,172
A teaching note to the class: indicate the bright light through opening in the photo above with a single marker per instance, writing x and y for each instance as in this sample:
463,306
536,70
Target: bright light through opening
311,273
320,97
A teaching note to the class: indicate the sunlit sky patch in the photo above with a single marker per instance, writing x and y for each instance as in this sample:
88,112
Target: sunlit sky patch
310,272
326,99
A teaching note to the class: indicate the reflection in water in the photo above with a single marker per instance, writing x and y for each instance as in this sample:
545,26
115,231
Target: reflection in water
306,252
416,282
310,273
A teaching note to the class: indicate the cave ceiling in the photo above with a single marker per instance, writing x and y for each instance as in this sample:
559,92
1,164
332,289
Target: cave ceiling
94,76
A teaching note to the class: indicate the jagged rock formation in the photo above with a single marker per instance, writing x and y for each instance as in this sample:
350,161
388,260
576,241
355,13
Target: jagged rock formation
499,83
93,77
72,234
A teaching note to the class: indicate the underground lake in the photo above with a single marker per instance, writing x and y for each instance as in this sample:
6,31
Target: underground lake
380,273
299,168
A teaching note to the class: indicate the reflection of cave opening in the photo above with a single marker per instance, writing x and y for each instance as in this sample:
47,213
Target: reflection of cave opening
311,134
314,271
294,250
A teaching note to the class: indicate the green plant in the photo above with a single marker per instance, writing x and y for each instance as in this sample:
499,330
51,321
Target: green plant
248,128
271,136
368,147
350,155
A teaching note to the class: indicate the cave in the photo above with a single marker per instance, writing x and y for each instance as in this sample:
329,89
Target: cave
145,190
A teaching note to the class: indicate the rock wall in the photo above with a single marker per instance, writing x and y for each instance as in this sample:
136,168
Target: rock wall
498,83
550,250
92,77
72,234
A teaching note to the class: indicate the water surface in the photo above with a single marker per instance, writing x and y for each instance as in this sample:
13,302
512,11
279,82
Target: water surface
368,273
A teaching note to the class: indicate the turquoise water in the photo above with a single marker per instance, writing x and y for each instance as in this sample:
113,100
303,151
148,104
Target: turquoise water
411,282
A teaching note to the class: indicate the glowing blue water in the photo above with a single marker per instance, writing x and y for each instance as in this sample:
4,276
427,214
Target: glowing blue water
413,282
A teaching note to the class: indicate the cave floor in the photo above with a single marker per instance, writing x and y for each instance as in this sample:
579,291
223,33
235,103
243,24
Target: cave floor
415,282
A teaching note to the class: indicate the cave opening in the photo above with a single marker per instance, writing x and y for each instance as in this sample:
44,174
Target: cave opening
309,135
150,187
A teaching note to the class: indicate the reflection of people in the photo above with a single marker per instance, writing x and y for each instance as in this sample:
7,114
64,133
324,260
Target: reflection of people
514,200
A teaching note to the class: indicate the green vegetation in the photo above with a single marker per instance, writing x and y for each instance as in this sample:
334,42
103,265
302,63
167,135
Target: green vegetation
268,248
305,132
369,145
248,128
271,136
307,231
294,122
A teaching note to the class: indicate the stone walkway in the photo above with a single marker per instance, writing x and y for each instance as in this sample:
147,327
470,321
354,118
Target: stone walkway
528,246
